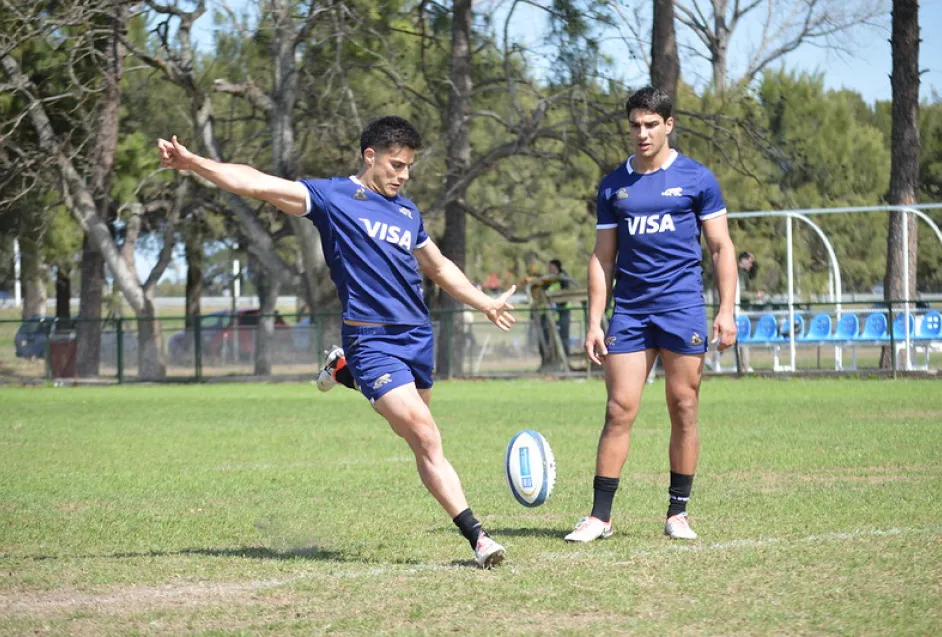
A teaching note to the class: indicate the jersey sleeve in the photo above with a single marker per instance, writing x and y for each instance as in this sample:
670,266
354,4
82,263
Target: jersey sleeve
603,210
421,236
711,204
316,197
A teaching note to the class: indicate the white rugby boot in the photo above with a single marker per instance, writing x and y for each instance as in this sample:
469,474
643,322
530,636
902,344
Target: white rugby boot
678,528
488,553
325,377
589,529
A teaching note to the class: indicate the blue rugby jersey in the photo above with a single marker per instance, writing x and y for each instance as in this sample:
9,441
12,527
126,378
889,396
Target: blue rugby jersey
658,218
368,241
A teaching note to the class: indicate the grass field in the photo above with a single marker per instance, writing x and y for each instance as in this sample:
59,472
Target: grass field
275,510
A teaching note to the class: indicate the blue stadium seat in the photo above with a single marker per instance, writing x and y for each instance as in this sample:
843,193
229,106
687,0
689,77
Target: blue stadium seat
819,329
875,328
743,329
848,326
799,328
898,331
766,330
930,329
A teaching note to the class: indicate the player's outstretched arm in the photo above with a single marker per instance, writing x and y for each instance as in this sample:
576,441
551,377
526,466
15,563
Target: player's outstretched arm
450,278
286,195
601,271
716,232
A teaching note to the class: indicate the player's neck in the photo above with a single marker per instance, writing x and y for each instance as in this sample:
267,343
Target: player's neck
645,165
363,178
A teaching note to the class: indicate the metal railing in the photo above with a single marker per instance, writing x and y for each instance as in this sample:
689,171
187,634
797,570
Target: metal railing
212,347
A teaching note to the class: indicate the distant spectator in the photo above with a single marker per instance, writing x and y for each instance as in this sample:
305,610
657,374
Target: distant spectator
562,308
748,270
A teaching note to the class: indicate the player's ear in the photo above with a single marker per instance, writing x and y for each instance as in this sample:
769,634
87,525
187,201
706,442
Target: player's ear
669,124
369,157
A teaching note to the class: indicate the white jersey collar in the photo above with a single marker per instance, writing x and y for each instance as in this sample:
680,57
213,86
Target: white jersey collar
667,164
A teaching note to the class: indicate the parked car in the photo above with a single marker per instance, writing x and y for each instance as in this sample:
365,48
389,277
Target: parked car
219,336
30,339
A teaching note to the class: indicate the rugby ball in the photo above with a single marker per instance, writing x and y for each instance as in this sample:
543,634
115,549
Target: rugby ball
530,467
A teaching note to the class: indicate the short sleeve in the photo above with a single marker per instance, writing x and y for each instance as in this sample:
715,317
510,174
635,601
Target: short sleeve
421,236
711,198
603,210
316,197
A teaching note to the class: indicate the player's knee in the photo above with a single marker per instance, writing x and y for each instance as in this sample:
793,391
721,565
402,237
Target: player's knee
619,414
686,408
427,443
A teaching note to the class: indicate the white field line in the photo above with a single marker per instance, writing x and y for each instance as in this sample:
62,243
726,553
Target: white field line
837,536
210,592
678,546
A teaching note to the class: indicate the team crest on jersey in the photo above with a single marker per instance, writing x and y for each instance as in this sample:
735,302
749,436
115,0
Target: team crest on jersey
696,339
382,380
673,192
405,211
610,341
360,195
621,193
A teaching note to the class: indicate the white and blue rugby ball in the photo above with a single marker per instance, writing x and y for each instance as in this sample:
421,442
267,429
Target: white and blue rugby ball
530,467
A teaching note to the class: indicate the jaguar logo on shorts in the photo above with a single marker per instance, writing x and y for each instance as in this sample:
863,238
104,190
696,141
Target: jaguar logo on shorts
696,339
621,193
360,195
610,341
382,380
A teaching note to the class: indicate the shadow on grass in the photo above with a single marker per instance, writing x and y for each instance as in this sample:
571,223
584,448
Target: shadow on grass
512,532
527,532
311,553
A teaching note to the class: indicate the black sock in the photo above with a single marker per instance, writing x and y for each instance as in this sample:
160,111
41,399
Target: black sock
679,491
605,489
469,526
345,377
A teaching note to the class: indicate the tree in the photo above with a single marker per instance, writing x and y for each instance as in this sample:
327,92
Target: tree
665,62
284,30
904,148
93,36
783,26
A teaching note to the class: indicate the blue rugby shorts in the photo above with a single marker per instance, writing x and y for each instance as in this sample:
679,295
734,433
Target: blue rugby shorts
385,357
681,331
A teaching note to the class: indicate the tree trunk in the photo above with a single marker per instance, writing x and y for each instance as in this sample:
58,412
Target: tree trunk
150,356
34,275
904,153
450,353
665,63
284,97
88,330
268,288
193,247
719,46
63,294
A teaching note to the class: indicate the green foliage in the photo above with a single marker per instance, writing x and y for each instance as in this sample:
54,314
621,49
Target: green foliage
788,143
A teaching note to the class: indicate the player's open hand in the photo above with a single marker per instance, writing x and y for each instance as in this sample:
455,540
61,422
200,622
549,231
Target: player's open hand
174,155
724,330
499,312
595,347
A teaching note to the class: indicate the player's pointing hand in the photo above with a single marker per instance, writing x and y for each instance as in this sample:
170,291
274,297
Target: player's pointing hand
499,313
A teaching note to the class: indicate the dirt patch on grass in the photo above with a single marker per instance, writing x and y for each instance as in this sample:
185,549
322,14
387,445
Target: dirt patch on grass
133,599
870,475
903,414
